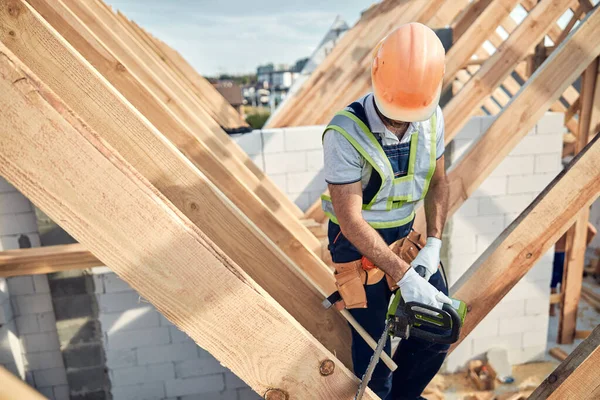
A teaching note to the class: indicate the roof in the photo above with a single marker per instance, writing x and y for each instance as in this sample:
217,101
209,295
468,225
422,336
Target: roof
231,91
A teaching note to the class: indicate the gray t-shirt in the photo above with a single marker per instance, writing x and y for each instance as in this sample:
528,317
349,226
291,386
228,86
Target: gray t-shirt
344,164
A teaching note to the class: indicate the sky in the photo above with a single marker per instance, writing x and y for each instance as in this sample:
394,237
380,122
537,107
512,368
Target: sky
235,36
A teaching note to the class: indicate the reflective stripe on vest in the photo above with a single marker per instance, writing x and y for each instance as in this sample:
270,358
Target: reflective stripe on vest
394,203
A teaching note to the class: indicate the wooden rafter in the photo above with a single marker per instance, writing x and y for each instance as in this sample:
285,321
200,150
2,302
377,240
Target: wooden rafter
466,18
154,247
13,388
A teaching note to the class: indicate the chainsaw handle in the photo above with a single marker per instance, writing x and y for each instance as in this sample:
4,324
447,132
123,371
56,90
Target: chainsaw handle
449,314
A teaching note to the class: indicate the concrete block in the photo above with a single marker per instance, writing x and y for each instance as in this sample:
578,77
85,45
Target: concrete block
535,338
31,304
115,302
258,160
298,182
44,360
14,203
132,319
198,367
138,338
6,313
40,283
542,270
492,186
314,160
529,184
114,284
143,374
469,208
10,345
170,352
121,358
280,180
100,270
493,224
98,280
20,285
459,148
303,138
486,122
46,392
163,321
29,379
178,336
146,391
548,163
272,140
5,186
61,392
508,308
461,244
302,200
27,324
15,224
247,394
47,322
4,295
533,353
226,395
538,144
515,165
512,341
50,377
471,130
526,323
204,384
527,289
250,142
513,203
488,327
551,123
536,306
9,242
291,161
232,381
460,356
37,342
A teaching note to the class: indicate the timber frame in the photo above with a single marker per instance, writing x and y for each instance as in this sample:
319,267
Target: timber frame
138,117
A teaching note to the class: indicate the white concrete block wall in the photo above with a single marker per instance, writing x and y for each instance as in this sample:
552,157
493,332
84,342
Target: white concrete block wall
520,321
26,306
149,358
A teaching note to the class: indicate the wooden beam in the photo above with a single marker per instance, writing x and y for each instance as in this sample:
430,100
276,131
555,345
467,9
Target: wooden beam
45,260
155,158
475,35
577,239
576,377
13,388
467,17
493,72
152,245
529,237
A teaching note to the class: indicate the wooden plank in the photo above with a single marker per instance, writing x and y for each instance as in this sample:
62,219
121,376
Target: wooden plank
152,72
582,334
582,384
577,241
558,353
555,298
491,74
466,18
151,245
44,260
13,388
582,360
106,111
475,35
529,237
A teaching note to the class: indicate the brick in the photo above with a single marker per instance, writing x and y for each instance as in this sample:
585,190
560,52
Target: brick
47,322
551,123
250,142
515,165
61,392
513,203
146,391
508,308
15,224
143,374
248,394
171,352
471,130
132,319
527,323
5,186
272,141
138,338
539,144
488,327
37,342
469,208
40,283
314,160
182,387
232,381
44,360
300,182
482,345
303,138
529,184
20,285
292,161
114,284
121,358
50,377
27,324
536,306
114,302
31,304
14,203
491,186
198,367
178,336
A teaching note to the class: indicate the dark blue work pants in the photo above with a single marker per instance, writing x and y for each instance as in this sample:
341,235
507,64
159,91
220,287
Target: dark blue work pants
418,361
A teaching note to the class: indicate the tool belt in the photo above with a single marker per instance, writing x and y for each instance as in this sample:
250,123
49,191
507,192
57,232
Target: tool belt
352,277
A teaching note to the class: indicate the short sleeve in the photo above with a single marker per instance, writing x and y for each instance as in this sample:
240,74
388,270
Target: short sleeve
343,163
440,134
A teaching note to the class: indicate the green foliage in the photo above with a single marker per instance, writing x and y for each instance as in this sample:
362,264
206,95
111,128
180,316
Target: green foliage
257,120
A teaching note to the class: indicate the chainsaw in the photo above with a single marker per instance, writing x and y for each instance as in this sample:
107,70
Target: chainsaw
413,319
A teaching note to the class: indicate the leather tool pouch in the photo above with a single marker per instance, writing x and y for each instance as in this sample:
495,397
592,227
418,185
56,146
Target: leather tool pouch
350,280
407,249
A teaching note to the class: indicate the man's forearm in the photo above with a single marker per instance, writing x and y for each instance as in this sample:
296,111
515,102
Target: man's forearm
436,207
371,245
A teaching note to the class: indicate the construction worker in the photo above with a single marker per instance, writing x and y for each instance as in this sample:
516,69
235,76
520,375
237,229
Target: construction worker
383,154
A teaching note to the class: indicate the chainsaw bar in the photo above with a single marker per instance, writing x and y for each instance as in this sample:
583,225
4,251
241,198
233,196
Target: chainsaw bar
373,363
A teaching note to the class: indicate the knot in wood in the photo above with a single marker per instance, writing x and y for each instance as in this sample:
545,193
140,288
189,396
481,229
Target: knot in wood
121,67
529,255
276,394
193,206
12,33
327,367
14,9
552,378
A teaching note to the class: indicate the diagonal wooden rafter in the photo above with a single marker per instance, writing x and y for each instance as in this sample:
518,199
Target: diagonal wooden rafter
106,111
13,388
154,247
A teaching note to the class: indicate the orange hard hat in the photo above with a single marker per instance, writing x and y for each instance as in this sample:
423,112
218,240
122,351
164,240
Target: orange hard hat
407,73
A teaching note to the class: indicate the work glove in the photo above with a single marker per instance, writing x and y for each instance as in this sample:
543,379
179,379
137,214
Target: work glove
415,288
429,257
